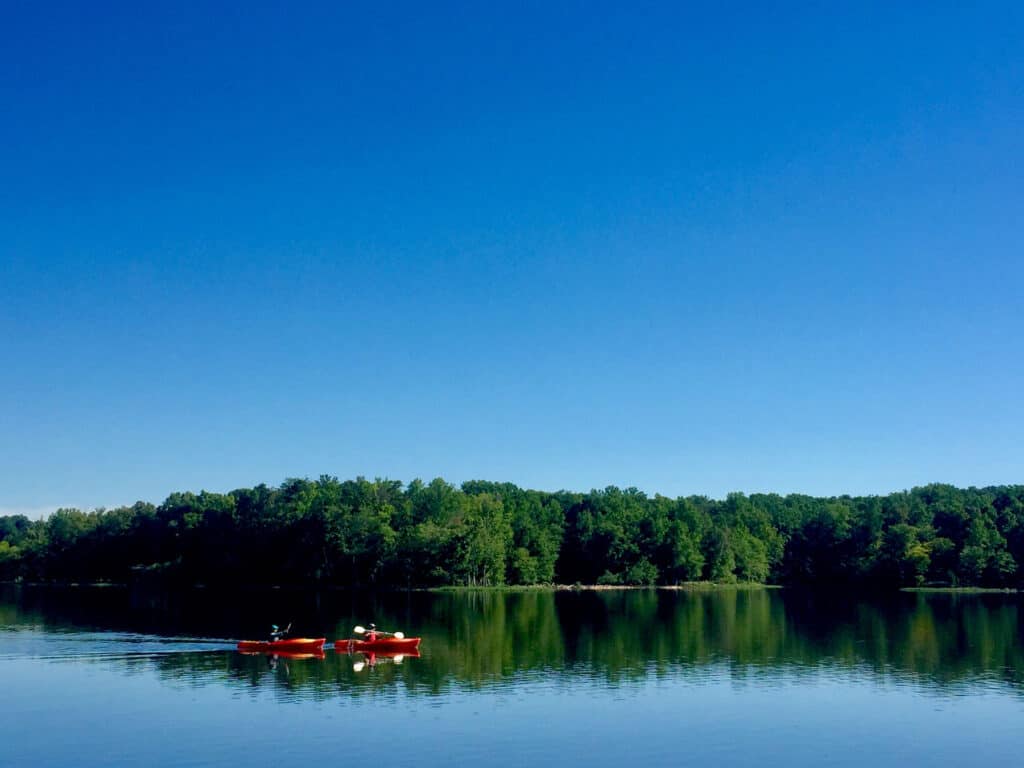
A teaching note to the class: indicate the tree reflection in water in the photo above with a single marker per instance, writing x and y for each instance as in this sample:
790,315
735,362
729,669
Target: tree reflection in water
482,639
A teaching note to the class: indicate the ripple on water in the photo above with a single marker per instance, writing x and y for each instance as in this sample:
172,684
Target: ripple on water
23,642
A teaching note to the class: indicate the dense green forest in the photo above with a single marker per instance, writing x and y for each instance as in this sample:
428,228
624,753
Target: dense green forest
384,533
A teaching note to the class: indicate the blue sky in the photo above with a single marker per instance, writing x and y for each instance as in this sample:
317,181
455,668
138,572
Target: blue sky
692,249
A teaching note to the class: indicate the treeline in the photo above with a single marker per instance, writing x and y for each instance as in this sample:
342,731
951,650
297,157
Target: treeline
364,533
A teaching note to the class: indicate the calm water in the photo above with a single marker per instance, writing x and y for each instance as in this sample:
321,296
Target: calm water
120,677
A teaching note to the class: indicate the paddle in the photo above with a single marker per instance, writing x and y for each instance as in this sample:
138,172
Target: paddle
363,630
279,634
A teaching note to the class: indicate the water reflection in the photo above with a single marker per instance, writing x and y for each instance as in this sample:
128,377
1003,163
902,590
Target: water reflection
488,640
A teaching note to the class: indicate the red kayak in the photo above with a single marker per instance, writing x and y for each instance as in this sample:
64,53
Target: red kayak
406,645
288,645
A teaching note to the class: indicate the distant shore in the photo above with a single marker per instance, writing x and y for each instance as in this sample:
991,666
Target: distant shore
964,590
690,586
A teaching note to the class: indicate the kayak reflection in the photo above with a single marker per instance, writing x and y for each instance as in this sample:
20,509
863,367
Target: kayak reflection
291,655
372,658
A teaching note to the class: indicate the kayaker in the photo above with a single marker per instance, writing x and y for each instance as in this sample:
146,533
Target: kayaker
372,634
277,634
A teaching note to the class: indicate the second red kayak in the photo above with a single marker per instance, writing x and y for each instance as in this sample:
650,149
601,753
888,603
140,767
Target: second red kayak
288,645
380,645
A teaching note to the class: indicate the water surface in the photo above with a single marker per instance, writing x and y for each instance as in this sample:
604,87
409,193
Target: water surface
123,677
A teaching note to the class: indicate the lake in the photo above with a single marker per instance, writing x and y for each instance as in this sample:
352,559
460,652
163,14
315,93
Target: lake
108,677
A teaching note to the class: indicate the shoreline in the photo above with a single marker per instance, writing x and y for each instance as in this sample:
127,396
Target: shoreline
690,586
963,590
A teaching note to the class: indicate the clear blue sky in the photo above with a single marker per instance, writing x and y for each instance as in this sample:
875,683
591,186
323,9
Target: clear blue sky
692,249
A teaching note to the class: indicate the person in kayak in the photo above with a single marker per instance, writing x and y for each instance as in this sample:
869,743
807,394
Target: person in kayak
278,634
371,635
